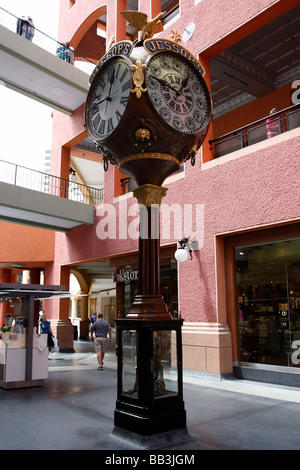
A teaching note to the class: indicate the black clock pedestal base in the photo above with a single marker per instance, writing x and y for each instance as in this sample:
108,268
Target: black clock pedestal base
146,421
150,399
160,440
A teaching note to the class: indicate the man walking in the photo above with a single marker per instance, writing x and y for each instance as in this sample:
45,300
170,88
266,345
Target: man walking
101,328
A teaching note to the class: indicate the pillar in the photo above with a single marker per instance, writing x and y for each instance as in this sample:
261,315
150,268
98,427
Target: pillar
35,276
58,314
5,275
84,321
120,22
64,171
149,301
155,8
206,149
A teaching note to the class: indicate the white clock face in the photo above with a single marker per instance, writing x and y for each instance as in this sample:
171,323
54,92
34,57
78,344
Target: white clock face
188,32
178,92
108,97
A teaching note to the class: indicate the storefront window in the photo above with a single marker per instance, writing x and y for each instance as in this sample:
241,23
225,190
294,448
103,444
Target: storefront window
268,302
168,285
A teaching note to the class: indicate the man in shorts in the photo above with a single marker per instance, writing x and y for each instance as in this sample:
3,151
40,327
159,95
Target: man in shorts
101,328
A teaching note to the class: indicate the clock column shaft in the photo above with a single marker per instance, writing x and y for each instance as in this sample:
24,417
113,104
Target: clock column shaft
149,247
149,302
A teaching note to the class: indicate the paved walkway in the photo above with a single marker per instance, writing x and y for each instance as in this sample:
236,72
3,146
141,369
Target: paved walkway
74,410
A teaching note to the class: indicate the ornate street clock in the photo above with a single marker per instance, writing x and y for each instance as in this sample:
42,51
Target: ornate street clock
178,92
148,110
108,97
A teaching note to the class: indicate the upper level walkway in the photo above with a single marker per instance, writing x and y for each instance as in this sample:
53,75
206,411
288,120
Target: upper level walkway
19,202
34,69
22,206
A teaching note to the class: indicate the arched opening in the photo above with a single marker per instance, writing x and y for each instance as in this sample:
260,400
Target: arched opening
92,290
89,40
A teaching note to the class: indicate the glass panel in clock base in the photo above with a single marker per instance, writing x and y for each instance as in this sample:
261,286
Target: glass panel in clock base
129,356
165,369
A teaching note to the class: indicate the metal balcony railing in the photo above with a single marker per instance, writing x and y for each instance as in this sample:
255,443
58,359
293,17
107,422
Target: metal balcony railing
286,119
9,21
49,184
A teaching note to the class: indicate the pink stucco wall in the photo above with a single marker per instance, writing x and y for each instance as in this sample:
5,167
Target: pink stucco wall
247,190
255,190
215,19
255,187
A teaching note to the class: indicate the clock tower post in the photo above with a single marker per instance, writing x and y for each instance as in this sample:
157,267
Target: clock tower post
148,111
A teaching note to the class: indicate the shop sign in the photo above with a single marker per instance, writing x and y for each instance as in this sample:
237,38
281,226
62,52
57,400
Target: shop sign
124,275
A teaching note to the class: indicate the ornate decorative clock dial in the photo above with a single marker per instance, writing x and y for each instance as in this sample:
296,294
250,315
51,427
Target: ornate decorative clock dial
108,97
178,92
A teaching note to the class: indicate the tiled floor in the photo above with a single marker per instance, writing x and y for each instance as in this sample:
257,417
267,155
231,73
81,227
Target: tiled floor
74,410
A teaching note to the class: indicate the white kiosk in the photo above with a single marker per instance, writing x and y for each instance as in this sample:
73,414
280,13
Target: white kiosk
24,353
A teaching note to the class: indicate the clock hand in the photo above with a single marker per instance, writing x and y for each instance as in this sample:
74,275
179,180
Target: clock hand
107,98
164,83
112,79
184,84
96,104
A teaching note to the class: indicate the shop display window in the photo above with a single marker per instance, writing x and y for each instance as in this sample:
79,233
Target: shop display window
169,286
268,302
12,333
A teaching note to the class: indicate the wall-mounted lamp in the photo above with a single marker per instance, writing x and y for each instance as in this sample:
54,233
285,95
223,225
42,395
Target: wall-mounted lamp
181,253
73,176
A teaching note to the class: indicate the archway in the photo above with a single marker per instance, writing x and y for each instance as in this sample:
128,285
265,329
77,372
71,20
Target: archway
87,39
80,289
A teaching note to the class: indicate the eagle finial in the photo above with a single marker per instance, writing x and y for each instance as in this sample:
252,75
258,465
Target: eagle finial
138,20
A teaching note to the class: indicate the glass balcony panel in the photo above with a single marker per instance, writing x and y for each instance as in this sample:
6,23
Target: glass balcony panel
229,145
257,134
293,120
264,131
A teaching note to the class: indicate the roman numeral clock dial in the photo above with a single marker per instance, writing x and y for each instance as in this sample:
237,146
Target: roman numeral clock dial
178,92
108,97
